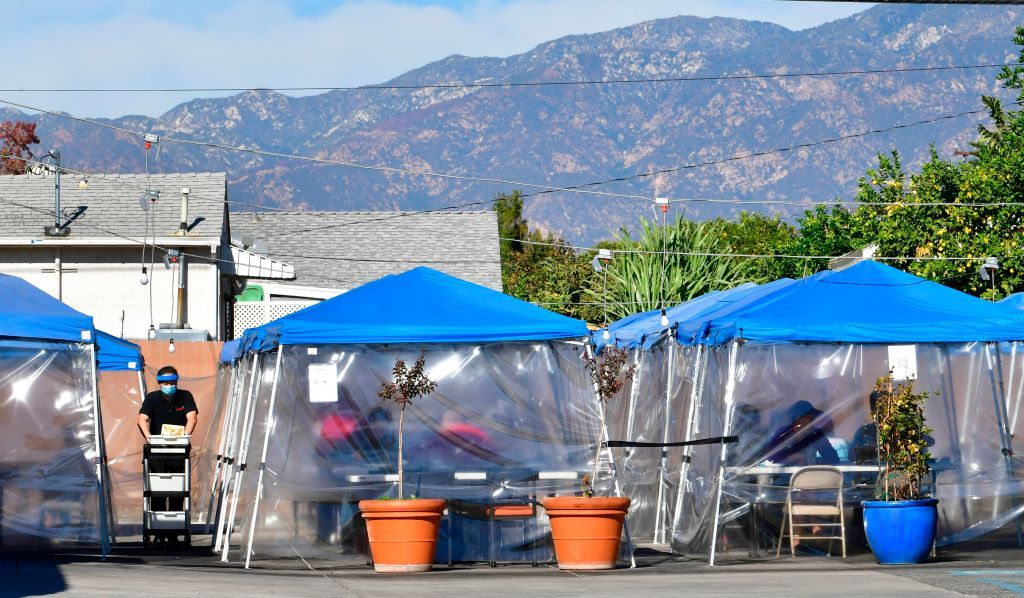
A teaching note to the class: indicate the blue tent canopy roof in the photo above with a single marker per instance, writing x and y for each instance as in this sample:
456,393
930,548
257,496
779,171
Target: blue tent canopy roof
1015,300
418,306
866,303
28,312
231,351
645,329
115,354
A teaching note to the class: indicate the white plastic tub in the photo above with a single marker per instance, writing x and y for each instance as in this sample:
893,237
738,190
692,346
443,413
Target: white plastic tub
167,482
166,520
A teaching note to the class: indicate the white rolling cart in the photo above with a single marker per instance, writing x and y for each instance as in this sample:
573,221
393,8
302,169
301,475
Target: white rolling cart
159,485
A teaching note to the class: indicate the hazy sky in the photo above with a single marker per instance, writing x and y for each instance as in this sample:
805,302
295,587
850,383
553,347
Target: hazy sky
267,43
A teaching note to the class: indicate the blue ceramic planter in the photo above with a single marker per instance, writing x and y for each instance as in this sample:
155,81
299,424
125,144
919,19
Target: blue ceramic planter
900,532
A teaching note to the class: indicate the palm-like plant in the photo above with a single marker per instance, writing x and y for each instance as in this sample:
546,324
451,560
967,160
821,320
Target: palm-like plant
687,263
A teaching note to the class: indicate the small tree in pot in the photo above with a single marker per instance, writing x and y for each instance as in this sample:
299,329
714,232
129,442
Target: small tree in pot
900,525
403,532
586,530
408,385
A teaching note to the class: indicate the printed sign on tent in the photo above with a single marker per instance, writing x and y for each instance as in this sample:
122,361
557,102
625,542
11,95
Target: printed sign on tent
323,383
903,362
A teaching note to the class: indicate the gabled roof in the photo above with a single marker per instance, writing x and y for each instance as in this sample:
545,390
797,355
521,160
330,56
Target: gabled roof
111,203
343,250
418,306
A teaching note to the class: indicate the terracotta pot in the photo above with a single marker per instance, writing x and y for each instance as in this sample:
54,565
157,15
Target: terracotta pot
402,533
586,531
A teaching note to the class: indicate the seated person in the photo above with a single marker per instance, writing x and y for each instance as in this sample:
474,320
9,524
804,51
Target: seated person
804,440
747,428
865,439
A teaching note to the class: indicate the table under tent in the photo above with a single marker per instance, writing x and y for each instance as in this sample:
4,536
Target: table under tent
817,345
53,486
514,419
655,406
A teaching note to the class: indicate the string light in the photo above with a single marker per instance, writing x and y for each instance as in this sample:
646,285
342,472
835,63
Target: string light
144,279
170,346
151,334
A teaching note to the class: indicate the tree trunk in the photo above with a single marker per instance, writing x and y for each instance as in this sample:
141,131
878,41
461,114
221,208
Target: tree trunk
401,476
597,452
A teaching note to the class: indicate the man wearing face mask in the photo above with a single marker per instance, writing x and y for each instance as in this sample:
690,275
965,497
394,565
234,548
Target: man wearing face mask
173,406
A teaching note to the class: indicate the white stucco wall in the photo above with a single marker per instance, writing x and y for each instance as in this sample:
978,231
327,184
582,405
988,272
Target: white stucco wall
106,283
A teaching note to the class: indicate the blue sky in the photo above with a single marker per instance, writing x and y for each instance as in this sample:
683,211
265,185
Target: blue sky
265,43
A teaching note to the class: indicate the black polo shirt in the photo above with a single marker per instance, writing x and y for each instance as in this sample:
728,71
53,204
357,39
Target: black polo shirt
171,410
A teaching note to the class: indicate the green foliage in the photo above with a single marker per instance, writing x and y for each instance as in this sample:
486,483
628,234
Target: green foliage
551,274
679,270
758,234
902,439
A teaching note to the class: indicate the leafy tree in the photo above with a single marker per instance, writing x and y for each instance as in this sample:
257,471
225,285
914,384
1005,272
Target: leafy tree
549,273
15,139
757,234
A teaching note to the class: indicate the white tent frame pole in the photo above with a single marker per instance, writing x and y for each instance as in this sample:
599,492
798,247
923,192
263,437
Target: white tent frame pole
696,396
242,452
659,520
611,456
730,397
999,395
220,450
100,457
263,459
237,469
230,431
231,448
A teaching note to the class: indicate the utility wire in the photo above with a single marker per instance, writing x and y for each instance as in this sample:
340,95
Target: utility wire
542,189
567,246
513,84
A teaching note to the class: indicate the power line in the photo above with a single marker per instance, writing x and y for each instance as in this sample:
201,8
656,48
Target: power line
544,189
514,84
769,152
567,246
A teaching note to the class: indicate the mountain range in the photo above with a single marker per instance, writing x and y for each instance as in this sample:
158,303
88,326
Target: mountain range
563,135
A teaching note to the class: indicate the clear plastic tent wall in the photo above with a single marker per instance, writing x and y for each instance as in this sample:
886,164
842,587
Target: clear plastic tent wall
509,422
654,407
752,390
48,484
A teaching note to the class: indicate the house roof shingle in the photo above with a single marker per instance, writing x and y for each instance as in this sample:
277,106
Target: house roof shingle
111,203
346,249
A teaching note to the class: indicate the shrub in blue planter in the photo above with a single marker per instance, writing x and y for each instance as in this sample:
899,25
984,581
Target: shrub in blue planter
899,525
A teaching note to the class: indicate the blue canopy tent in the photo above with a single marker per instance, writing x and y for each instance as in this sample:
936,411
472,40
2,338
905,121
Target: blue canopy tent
866,303
824,339
663,369
51,441
514,407
115,354
418,306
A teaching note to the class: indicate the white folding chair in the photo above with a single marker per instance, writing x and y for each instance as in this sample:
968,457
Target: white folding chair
812,482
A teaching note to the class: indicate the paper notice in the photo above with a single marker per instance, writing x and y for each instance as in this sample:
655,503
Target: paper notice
323,383
903,362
